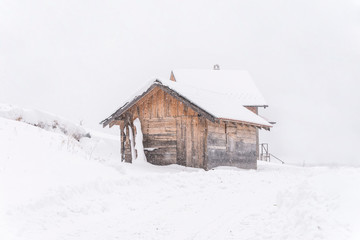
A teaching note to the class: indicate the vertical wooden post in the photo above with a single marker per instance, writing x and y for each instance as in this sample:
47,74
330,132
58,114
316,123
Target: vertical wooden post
122,140
226,138
127,144
205,145
257,137
132,145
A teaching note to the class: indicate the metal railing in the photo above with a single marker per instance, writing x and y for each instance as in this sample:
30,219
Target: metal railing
264,154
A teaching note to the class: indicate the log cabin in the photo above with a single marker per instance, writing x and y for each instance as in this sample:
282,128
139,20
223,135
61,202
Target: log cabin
197,118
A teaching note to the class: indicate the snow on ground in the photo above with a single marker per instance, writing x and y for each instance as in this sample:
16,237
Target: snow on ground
54,187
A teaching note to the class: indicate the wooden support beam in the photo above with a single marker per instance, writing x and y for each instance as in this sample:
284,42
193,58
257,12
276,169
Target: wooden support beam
122,140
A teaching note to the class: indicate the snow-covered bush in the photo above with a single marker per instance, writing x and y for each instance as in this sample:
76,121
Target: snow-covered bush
43,120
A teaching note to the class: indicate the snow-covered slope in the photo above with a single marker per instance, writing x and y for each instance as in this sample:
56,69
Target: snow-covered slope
54,187
43,120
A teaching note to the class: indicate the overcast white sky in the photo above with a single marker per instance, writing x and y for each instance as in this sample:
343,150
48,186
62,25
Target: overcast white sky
81,59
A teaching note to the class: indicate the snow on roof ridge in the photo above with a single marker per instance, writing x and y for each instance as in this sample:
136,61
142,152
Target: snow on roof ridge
133,96
228,81
207,90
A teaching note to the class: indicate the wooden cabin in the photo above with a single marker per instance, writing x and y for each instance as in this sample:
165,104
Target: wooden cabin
198,118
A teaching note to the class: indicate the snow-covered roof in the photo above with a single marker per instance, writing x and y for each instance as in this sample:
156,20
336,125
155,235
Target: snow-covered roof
218,105
235,83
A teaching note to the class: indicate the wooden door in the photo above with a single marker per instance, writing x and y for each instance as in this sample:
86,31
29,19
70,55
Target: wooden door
190,141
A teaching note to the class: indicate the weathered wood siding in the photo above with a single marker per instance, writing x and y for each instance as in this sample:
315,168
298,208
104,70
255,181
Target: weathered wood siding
253,109
256,111
175,133
191,135
160,140
172,132
231,144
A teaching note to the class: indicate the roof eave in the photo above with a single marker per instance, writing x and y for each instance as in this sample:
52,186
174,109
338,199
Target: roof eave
266,127
168,90
264,106
181,98
128,105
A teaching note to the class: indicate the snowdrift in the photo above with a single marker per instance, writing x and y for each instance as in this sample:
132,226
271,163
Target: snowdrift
43,120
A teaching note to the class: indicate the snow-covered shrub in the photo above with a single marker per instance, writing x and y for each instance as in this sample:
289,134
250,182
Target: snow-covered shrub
43,120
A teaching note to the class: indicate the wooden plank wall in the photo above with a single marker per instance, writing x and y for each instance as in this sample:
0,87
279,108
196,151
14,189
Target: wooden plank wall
191,135
172,132
253,109
160,140
256,111
231,144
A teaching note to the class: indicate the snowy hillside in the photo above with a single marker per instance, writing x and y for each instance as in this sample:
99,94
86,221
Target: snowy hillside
43,120
55,187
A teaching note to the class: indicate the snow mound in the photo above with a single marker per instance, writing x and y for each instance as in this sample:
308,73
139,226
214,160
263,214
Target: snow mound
43,120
